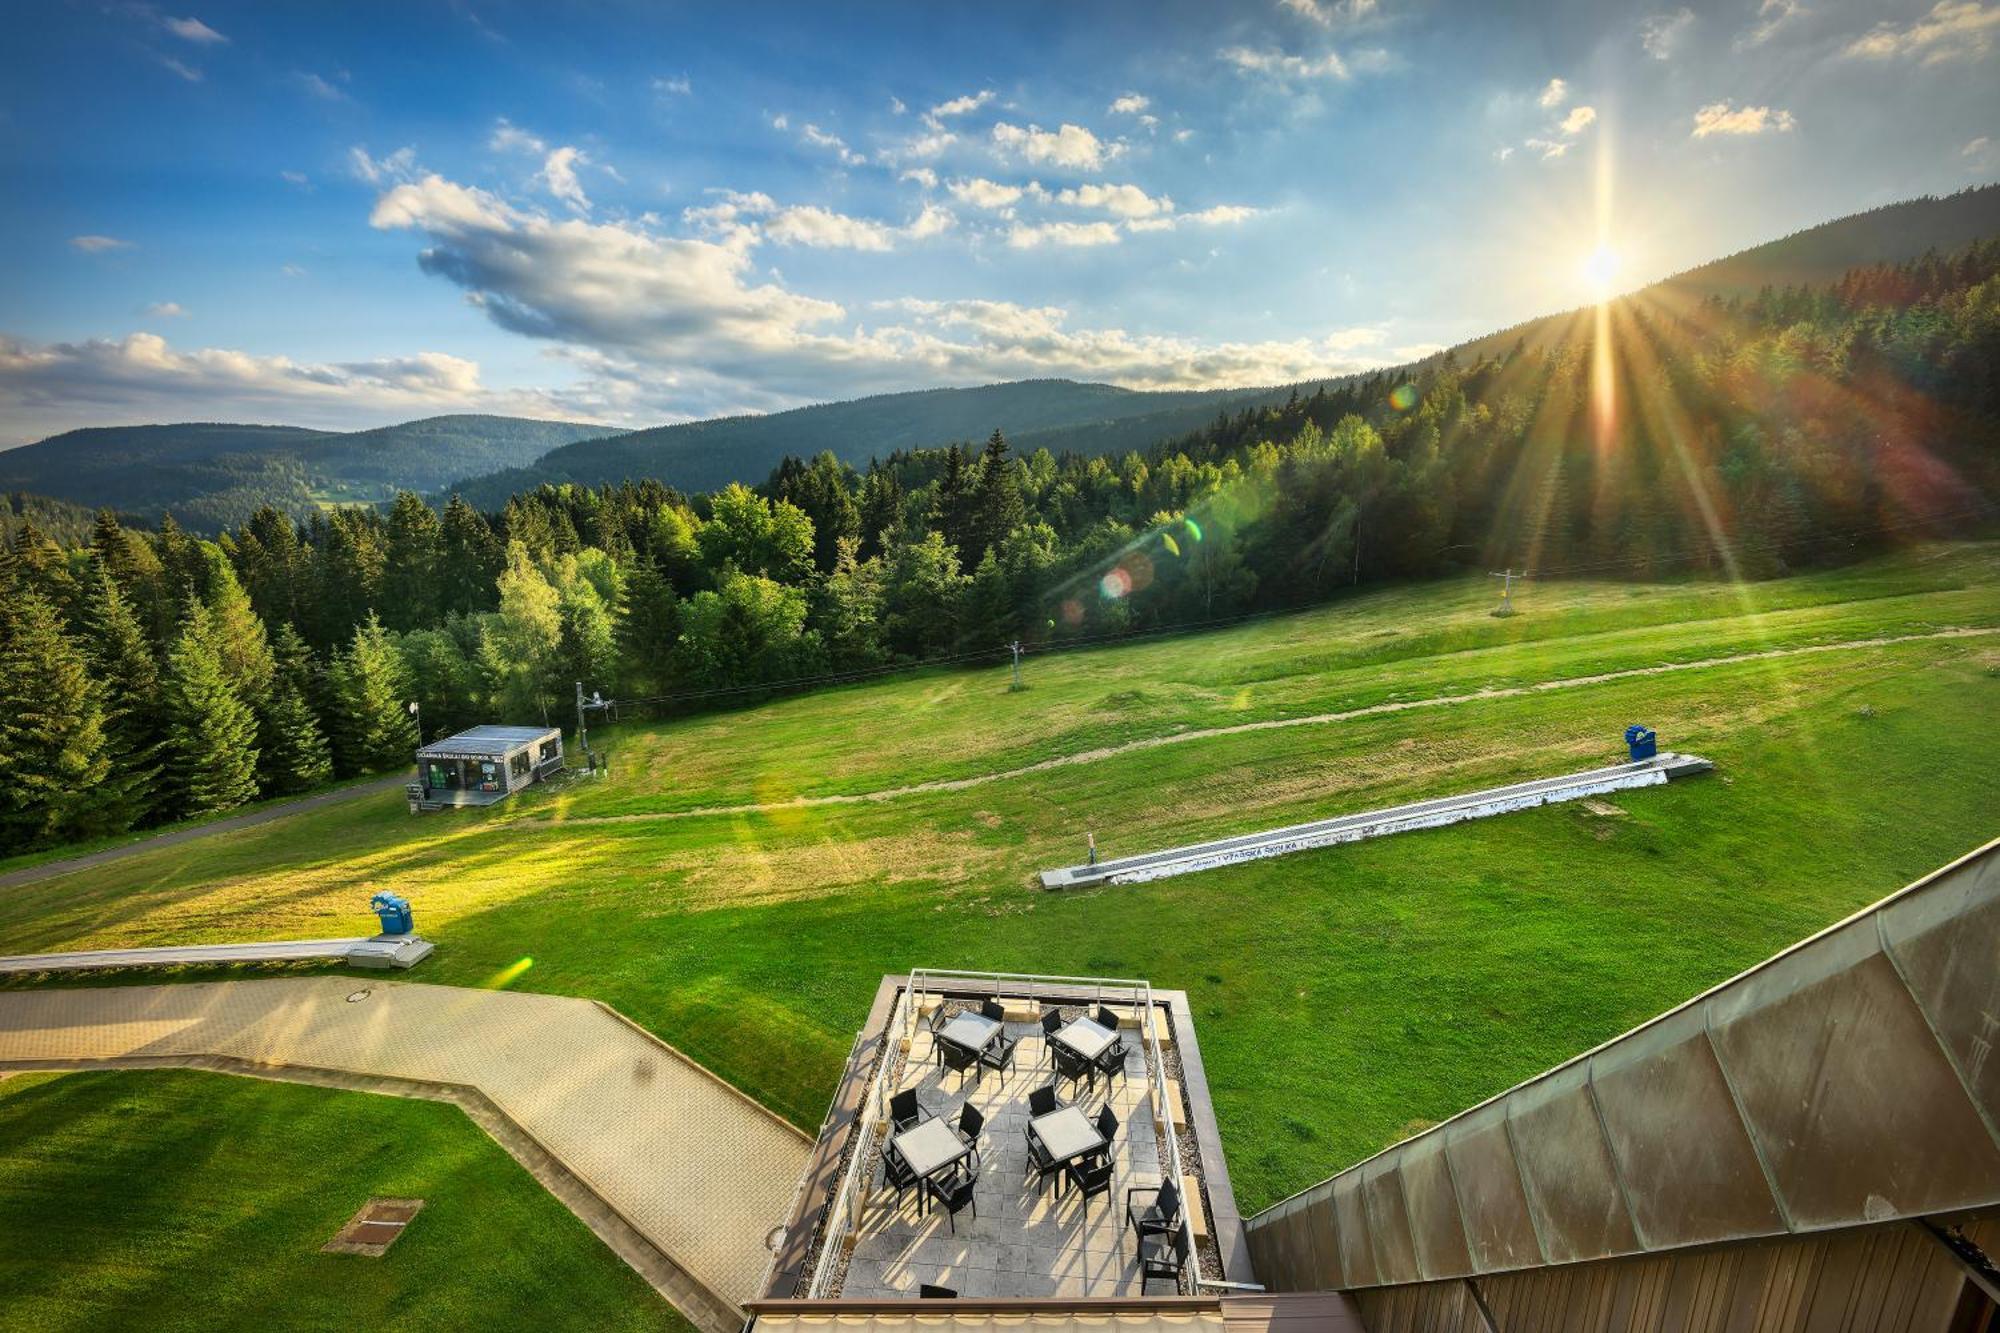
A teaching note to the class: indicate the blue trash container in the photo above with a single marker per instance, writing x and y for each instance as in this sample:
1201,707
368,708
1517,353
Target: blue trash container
394,912
1642,741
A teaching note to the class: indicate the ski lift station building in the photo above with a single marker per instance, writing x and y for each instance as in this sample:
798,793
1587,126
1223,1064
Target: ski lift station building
484,765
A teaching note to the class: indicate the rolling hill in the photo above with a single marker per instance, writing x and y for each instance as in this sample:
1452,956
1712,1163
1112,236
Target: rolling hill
210,475
704,455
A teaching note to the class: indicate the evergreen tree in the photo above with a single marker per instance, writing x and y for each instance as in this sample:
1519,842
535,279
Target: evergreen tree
410,584
373,729
996,508
648,622
295,754
469,560
211,733
52,743
121,660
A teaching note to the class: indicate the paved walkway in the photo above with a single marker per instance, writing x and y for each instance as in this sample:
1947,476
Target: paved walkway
698,1169
262,815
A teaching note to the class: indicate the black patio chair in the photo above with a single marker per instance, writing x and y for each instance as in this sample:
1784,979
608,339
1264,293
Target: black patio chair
954,1194
1074,1068
959,1060
905,1112
1161,1216
1164,1259
897,1172
1109,1022
1000,1053
1052,1023
927,1292
970,1122
1110,1062
1041,1101
993,1010
1091,1177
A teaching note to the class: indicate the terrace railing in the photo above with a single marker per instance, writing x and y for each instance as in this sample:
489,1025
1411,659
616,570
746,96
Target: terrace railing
844,1213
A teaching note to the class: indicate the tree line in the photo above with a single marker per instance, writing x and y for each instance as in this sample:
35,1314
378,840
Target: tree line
152,676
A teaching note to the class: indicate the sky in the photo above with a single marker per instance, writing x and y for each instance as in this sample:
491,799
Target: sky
637,213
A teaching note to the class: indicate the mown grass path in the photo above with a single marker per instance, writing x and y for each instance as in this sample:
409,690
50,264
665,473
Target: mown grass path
1271,724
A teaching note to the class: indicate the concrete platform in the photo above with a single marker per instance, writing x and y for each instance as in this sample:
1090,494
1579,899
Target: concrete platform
374,951
1434,813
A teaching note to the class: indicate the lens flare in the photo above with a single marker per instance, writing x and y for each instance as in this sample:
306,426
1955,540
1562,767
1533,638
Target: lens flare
1115,584
509,974
1194,529
1072,613
1167,540
1403,397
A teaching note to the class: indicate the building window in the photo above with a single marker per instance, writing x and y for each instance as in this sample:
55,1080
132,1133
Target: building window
551,750
489,776
517,763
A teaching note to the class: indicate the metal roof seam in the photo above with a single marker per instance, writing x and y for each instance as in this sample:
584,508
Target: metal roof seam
1930,1024
1528,1189
1749,1127
1611,1151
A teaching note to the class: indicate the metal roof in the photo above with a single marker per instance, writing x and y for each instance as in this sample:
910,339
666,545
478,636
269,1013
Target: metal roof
488,740
1847,1080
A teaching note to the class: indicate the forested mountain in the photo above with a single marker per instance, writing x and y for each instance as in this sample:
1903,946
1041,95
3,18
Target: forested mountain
703,455
61,521
145,677
1814,257
212,475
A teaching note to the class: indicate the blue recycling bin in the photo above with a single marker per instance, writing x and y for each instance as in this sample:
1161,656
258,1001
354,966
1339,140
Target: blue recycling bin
1642,741
394,912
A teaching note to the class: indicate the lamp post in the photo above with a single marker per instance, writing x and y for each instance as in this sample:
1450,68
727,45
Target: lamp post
417,716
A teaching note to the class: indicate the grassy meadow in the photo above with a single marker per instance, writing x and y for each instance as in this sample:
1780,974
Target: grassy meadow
182,1200
1343,996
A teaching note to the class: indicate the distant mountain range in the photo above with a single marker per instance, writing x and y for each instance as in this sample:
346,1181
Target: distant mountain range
214,475
211,475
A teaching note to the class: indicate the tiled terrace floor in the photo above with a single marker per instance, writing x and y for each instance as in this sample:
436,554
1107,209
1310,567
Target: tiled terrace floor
1022,1242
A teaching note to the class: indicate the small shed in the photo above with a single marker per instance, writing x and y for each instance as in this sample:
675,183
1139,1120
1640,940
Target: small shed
484,764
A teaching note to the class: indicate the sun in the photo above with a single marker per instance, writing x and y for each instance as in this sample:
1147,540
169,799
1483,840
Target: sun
1600,270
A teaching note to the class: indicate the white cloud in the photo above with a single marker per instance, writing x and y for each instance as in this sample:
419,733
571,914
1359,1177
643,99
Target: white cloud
97,245
931,222
671,325
1975,147
1550,149
1221,215
1554,95
298,178
1130,104
1326,13
982,193
315,86
1283,66
822,228
1661,34
920,147
1028,236
1772,16
820,138
182,68
1721,118
1504,152
292,271
1067,146
957,106
678,86
1579,119
923,176
511,138
558,175
1182,136
1953,30
193,30
166,310
897,106
397,166
142,377
1125,201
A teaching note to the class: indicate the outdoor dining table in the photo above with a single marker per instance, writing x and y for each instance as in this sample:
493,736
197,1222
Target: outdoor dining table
971,1031
930,1148
1066,1133
1087,1037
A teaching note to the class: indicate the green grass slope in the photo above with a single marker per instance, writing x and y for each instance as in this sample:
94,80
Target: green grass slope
740,883
180,1200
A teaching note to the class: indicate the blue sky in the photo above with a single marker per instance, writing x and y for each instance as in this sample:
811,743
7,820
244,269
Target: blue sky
637,213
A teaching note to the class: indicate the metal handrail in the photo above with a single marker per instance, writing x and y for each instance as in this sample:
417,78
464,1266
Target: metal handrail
840,1214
